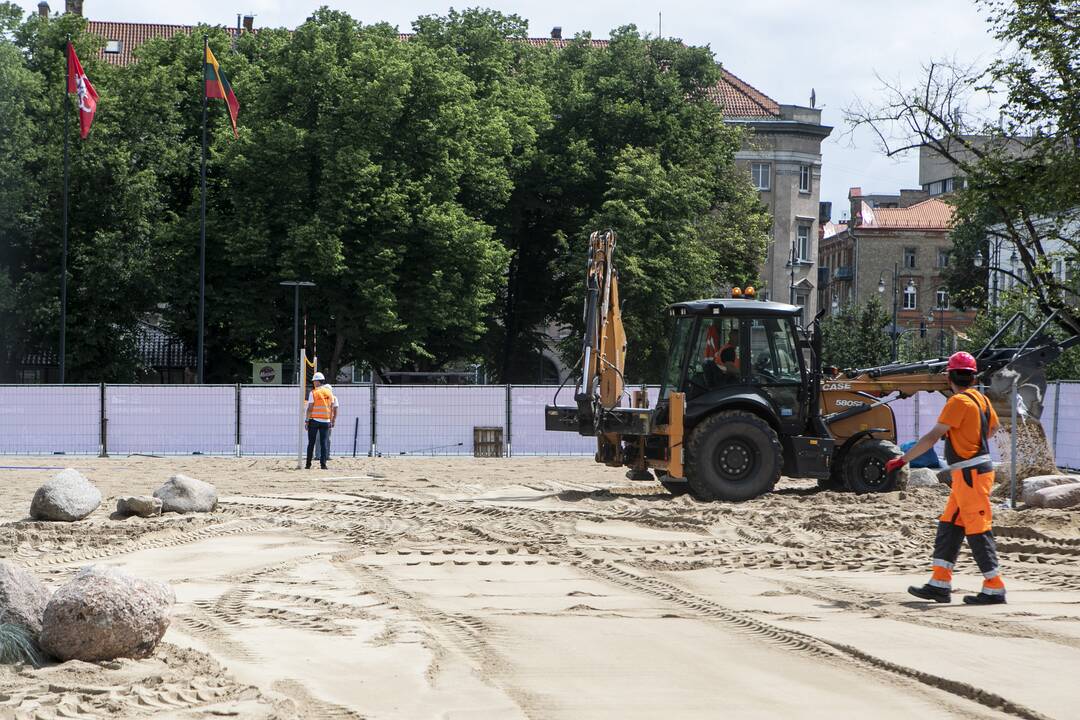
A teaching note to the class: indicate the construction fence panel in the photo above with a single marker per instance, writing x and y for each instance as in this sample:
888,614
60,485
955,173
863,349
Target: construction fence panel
353,421
171,419
528,436
1068,425
905,411
269,419
48,419
435,419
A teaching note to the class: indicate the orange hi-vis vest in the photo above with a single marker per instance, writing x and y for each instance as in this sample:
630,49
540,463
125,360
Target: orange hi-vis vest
322,400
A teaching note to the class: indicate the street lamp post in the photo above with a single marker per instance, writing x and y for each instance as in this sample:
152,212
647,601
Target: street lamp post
895,304
296,285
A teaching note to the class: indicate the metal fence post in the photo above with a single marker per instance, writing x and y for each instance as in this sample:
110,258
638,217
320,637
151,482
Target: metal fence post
918,413
509,421
1057,404
104,425
374,447
237,419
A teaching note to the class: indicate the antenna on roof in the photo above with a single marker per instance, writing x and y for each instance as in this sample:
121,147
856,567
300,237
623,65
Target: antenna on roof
813,98
659,24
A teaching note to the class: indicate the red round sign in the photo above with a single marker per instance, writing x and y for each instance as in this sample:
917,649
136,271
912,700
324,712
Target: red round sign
266,373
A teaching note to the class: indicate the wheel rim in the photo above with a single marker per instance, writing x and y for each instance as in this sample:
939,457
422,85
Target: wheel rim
735,459
872,473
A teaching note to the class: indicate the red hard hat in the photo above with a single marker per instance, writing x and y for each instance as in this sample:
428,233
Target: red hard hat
962,361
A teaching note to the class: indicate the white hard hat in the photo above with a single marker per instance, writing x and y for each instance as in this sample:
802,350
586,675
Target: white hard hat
319,376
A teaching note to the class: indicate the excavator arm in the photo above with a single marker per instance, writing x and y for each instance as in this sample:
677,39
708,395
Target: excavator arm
599,391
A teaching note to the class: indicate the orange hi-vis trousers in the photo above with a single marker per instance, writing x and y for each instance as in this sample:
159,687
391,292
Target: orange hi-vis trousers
968,514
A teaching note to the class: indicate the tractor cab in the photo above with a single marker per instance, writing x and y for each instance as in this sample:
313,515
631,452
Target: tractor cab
729,351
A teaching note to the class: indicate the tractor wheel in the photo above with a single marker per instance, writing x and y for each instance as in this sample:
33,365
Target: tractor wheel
864,466
733,455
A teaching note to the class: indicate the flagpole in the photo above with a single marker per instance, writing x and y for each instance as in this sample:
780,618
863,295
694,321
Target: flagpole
64,251
202,221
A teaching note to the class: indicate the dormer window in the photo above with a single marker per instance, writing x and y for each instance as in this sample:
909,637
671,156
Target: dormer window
112,46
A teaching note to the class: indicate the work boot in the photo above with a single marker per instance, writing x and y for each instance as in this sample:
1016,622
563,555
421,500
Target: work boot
323,466
308,465
930,592
984,599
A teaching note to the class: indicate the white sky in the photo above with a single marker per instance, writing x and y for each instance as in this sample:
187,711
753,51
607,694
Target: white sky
782,47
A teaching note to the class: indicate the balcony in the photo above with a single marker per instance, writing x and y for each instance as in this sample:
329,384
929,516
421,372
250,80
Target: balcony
843,273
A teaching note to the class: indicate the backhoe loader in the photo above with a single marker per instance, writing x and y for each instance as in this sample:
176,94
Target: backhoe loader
744,398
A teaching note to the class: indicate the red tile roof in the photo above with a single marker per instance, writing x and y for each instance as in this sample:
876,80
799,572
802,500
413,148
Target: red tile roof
739,99
932,214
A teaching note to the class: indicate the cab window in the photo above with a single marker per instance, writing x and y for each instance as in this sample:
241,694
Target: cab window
680,338
772,351
716,358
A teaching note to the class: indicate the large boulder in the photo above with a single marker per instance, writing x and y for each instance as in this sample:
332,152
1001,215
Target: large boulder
1057,496
182,494
103,613
1032,485
22,598
67,497
922,477
141,505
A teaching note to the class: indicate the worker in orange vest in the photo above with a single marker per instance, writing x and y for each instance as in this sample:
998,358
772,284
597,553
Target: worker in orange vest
966,421
322,410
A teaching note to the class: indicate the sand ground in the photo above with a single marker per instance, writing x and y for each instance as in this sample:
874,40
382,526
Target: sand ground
545,588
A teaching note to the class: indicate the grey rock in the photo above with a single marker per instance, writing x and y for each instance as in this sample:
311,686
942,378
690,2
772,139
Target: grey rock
141,505
1029,487
103,614
67,497
22,598
922,477
1057,496
182,494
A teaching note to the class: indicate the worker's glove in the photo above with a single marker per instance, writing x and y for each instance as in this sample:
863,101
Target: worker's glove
895,464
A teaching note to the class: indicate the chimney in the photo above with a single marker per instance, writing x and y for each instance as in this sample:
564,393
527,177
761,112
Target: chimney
249,23
73,7
556,33
910,197
43,9
855,201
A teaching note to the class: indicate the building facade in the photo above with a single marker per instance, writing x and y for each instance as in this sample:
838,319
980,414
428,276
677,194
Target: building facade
895,254
782,154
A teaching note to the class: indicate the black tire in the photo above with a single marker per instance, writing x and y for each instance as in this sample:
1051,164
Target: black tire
733,455
864,466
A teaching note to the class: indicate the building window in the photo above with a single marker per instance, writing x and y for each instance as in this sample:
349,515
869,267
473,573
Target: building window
943,257
760,175
942,299
802,243
910,254
113,46
911,298
804,178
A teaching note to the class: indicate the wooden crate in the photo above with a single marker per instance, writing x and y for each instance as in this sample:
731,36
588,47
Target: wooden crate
488,442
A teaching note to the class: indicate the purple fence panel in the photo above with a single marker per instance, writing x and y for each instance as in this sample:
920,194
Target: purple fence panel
353,419
904,411
46,419
268,419
528,435
171,419
435,419
1067,448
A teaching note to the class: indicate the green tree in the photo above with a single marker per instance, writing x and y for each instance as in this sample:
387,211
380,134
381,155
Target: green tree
856,336
1022,167
115,199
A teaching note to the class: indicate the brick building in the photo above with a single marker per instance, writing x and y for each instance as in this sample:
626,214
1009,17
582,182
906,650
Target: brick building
858,260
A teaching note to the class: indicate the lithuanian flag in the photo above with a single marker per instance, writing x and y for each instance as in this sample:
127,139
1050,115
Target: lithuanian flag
217,86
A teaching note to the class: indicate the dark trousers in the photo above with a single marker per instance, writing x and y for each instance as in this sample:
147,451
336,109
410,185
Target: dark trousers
320,430
950,538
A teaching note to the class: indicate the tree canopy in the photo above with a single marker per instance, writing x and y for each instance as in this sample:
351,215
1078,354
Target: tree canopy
439,191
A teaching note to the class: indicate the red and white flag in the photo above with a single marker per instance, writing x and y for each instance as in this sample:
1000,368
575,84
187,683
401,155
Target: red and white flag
79,84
